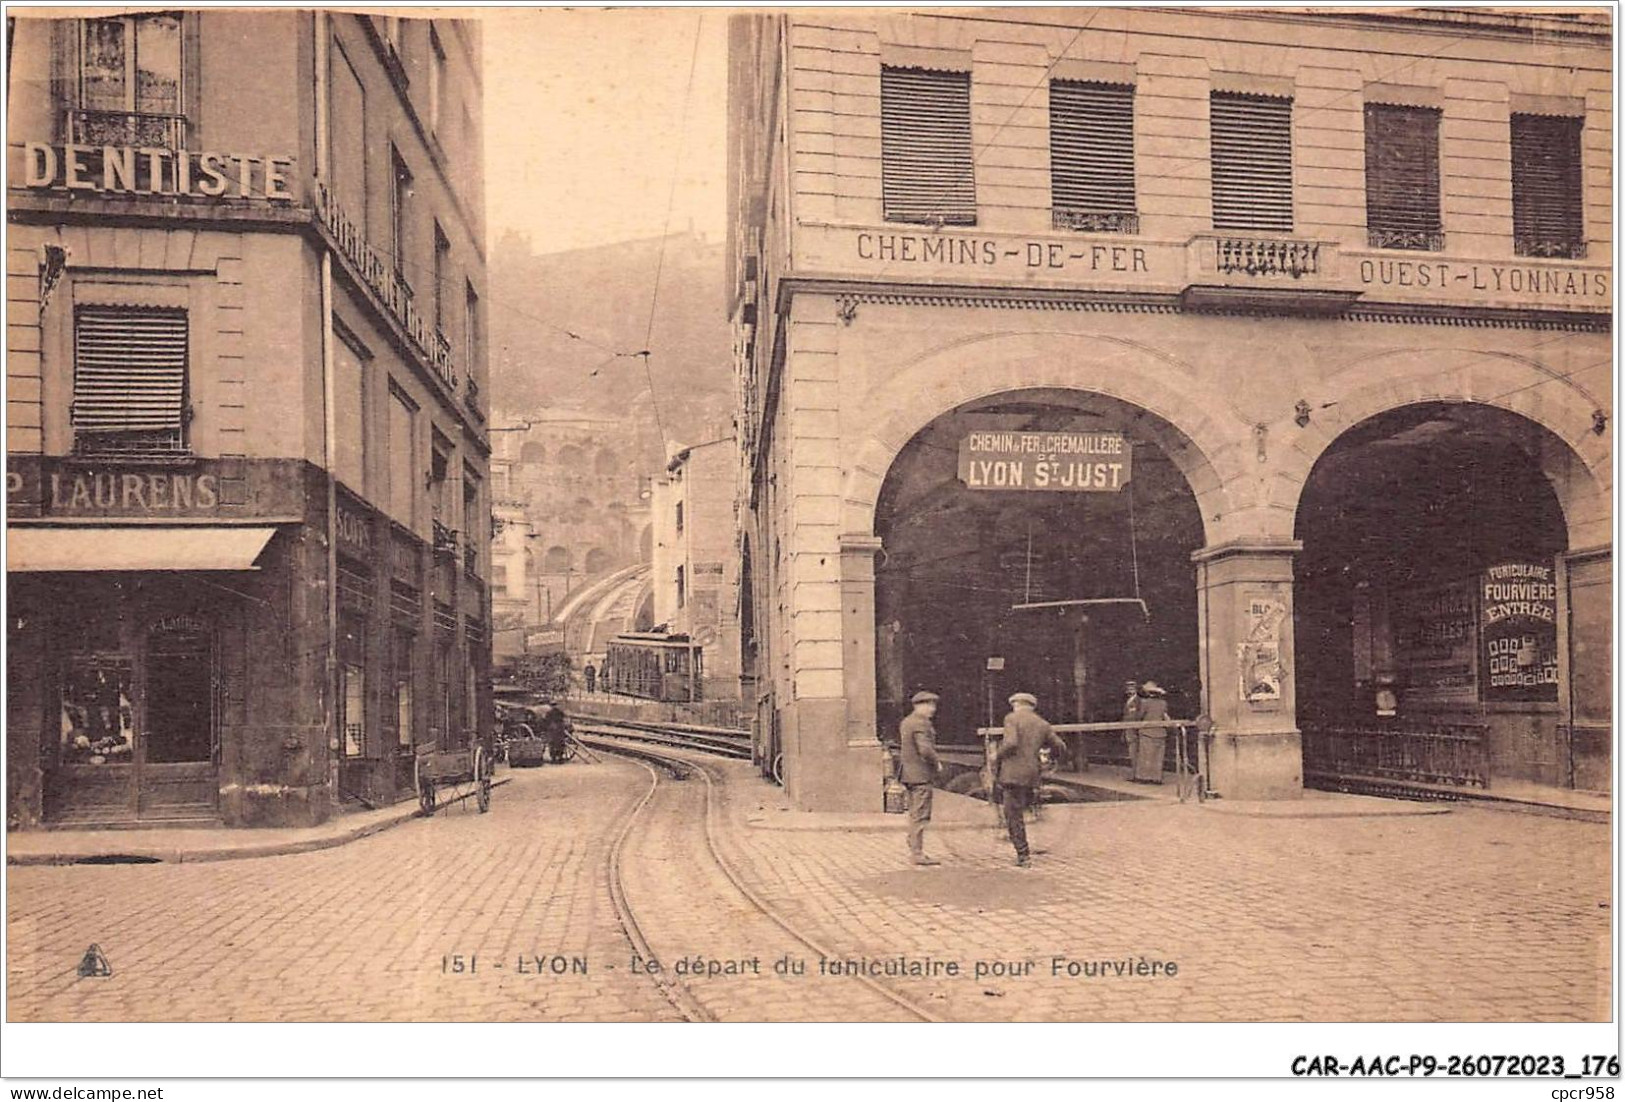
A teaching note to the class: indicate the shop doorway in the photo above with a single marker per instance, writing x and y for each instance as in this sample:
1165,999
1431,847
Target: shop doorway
177,748
1426,603
984,589
135,713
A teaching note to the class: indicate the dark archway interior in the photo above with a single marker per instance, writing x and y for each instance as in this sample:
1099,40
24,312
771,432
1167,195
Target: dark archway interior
1403,507
956,560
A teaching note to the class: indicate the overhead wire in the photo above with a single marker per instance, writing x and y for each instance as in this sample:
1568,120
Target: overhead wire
660,260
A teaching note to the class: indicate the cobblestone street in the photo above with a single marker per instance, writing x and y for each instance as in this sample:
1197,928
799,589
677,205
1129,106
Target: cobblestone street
1474,915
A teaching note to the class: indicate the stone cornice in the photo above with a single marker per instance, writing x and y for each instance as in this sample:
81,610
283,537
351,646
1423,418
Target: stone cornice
1234,548
890,293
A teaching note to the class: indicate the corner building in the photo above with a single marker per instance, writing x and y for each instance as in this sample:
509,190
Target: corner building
1263,354
247,522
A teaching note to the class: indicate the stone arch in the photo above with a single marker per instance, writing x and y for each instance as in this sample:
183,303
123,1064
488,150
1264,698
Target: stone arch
1575,459
533,453
646,543
596,562
1127,376
556,561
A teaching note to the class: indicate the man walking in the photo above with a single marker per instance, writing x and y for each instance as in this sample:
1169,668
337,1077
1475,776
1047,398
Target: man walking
1025,733
919,763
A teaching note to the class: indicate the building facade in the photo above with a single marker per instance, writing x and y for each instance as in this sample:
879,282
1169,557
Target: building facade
582,481
695,566
247,525
1263,354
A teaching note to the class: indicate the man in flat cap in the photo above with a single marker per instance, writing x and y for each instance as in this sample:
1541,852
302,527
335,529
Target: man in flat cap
918,769
1025,733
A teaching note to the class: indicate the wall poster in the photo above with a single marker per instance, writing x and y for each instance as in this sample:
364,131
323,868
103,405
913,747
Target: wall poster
1260,648
1518,632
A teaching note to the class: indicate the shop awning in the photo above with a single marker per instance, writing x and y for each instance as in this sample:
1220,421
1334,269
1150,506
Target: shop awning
134,547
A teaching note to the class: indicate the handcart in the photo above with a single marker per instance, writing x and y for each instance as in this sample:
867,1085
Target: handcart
465,772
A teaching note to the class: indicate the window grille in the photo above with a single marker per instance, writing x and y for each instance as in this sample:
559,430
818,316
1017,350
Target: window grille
1546,213
1402,177
925,147
129,380
1091,155
1252,162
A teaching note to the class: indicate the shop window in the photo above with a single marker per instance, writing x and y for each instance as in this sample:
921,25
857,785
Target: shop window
401,663
1091,156
442,678
1402,177
97,713
1546,214
352,717
129,381
927,173
130,82
1252,162
180,676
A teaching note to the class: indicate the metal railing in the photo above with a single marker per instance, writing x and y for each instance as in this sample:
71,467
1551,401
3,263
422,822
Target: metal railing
130,128
1425,240
1442,754
1557,248
1095,221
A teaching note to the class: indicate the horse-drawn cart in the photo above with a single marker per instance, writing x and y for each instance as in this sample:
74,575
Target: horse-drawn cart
465,772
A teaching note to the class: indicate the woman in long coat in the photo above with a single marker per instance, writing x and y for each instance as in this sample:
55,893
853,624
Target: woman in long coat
1152,744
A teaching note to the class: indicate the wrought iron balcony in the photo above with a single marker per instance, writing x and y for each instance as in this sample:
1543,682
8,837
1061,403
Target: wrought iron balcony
1422,240
471,561
1266,256
445,539
1554,248
129,128
1116,221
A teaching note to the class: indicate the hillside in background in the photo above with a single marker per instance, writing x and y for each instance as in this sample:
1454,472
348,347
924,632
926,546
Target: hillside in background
603,294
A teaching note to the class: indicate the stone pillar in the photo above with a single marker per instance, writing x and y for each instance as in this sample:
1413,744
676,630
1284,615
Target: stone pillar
858,637
1244,611
1586,665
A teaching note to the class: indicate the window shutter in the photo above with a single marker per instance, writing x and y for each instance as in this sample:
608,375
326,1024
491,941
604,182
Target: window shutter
1252,162
1402,177
1546,216
129,374
1091,156
925,147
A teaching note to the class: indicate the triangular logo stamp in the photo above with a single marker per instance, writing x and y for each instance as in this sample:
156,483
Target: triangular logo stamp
94,962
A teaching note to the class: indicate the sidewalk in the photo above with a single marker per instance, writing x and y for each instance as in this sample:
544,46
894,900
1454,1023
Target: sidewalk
196,844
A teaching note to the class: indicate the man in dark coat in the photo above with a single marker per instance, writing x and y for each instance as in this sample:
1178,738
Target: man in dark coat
918,765
1025,734
555,729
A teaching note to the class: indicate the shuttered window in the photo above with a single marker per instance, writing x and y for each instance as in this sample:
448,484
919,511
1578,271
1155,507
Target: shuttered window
1252,162
1091,156
129,380
1402,177
1546,216
925,147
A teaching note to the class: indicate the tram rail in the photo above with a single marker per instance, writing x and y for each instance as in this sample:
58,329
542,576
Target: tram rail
711,740
663,764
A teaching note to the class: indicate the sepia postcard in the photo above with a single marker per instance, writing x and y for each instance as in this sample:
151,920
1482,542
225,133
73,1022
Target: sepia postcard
1085,514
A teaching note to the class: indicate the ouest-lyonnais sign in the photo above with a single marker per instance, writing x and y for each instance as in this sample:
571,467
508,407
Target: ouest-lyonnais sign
1096,462
128,170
